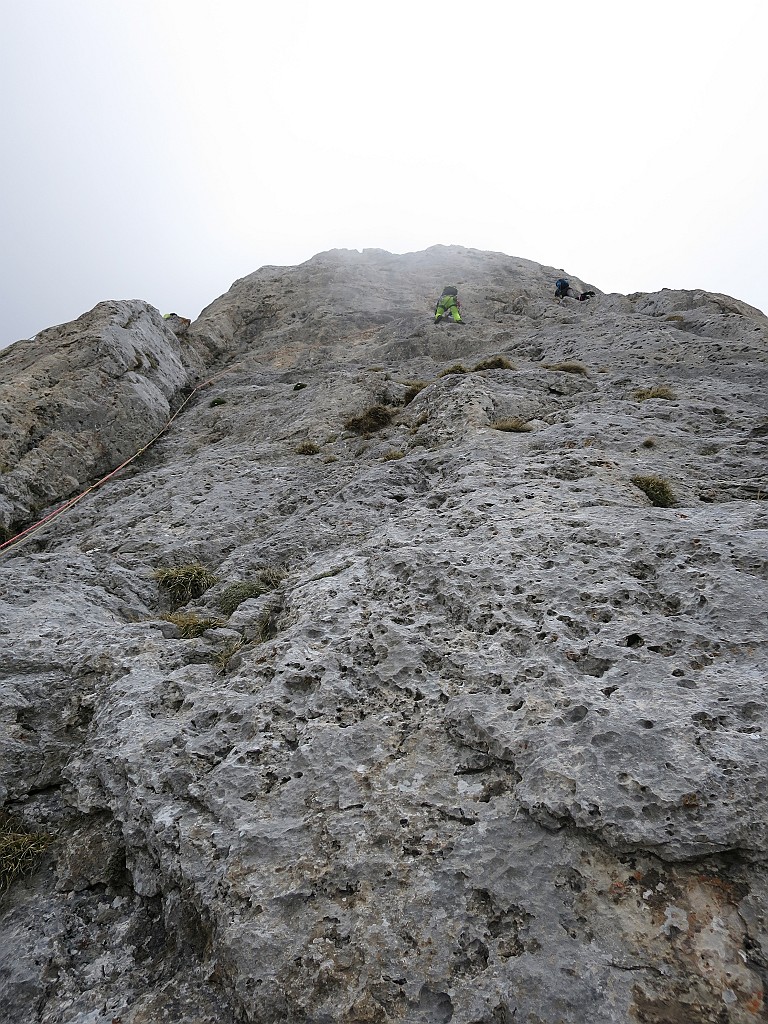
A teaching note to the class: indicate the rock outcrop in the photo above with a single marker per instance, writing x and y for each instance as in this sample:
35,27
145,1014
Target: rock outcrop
413,674
81,398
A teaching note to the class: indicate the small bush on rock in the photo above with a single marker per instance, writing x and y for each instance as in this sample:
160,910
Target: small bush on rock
183,583
657,489
373,419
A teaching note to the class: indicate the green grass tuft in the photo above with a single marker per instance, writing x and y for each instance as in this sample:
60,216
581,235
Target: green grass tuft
236,593
265,580
657,489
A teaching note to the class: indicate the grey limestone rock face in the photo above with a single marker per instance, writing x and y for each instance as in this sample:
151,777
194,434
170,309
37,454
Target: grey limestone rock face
79,399
467,721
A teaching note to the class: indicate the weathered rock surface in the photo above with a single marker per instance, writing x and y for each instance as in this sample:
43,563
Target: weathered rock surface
485,743
81,398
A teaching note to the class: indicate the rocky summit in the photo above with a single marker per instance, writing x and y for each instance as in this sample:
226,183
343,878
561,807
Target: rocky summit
401,672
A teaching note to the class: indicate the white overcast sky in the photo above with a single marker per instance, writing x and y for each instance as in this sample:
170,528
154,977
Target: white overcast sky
160,149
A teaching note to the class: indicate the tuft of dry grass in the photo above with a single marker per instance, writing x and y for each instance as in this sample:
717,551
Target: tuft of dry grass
413,387
368,422
657,391
223,657
183,583
272,575
20,850
190,624
656,489
494,363
307,448
567,367
456,368
512,424
267,625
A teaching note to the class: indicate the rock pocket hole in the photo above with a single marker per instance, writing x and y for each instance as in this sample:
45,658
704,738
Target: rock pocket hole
576,714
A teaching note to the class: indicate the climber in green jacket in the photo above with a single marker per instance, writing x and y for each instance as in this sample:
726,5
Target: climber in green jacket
449,303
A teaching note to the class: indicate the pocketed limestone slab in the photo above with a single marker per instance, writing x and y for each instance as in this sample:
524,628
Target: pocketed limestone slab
486,742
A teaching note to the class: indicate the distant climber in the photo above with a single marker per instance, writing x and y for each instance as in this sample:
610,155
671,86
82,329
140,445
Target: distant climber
449,303
178,324
563,290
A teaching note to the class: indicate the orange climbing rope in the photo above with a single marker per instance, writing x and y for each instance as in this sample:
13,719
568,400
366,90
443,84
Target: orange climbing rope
21,538
26,534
